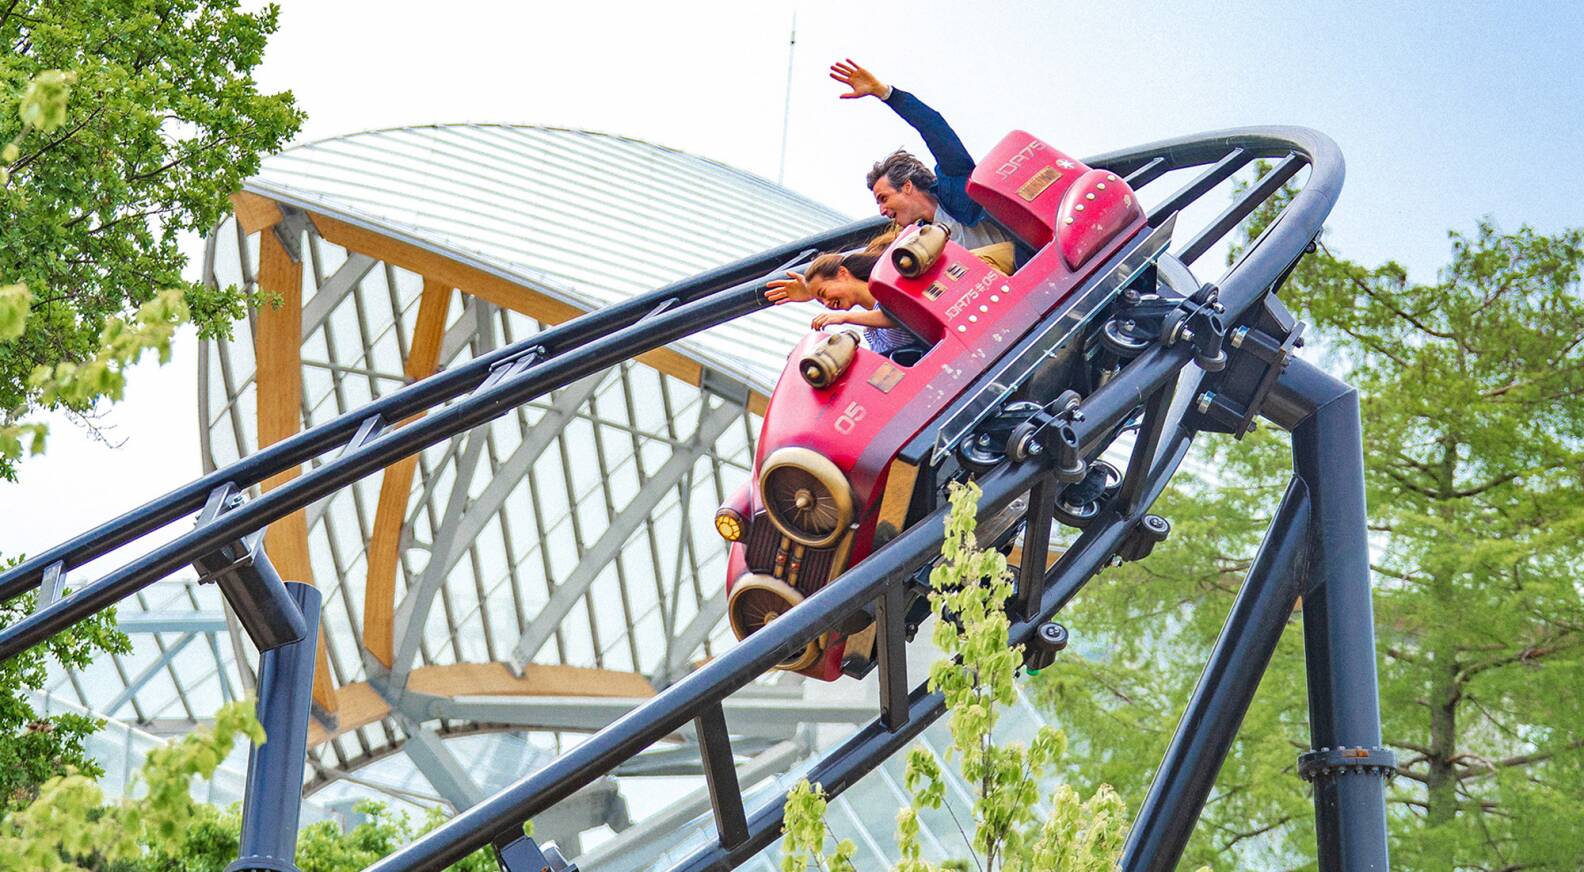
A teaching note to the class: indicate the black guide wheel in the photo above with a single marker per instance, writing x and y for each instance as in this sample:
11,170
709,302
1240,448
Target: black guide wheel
986,449
1024,440
1049,639
1021,444
1081,502
1120,338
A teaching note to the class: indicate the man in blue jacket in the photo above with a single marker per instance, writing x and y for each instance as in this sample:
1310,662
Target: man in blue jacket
904,188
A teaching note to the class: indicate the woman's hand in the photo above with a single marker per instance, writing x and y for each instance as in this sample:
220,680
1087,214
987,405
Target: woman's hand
829,319
792,289
862,82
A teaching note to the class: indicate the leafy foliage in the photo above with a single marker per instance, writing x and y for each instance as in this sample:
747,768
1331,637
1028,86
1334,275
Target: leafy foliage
126,122
969,589
164,122
1472,392
213,840
80,386
68,826
804,834
36,748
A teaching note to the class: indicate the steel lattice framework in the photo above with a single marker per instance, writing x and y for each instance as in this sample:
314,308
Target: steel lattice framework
563,554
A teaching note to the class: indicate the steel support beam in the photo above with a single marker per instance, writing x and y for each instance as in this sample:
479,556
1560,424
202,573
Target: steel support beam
684,759
1339,621
272,800
445,772
712,424
1209,724
640,846
456,338
148,673
464,519
134,623
412,614
334,290
680,648
768,718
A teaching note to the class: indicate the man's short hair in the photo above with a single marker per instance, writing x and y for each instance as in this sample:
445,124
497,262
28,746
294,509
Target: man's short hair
899,167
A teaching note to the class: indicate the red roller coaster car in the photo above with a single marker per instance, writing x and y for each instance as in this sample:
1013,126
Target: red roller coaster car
830,483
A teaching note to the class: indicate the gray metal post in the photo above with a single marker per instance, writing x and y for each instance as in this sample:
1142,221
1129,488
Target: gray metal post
272,800
1348,767
1221,699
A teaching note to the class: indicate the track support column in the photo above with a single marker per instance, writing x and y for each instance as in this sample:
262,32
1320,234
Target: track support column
1347,765
272,800
1204,735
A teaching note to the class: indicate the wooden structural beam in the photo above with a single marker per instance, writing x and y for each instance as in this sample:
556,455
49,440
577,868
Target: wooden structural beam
362,705
492,288
255,213
384,550
277,351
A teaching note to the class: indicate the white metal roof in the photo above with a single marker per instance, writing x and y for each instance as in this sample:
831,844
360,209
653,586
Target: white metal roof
587,218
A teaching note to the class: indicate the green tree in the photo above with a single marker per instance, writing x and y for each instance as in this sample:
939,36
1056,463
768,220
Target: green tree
125,122
213,840
33,747
165,122
1472,390
69,826
969,589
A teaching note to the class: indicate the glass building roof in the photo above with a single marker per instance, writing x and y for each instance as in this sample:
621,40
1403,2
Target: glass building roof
556,565
583,217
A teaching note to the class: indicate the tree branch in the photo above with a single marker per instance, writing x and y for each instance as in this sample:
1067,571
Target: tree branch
7,14
24,162
1238,837
1536,651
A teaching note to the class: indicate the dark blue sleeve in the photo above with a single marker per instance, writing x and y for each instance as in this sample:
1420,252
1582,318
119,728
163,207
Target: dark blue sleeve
953,163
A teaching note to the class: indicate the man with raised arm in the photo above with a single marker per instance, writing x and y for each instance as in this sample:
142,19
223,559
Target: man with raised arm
904,189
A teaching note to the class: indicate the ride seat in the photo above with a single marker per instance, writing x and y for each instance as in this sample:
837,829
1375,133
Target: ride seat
1039,192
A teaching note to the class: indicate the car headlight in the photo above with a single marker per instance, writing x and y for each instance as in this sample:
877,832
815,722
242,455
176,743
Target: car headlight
806,496
755,601
729,523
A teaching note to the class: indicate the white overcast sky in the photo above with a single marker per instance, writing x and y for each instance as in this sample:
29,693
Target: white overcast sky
1445,112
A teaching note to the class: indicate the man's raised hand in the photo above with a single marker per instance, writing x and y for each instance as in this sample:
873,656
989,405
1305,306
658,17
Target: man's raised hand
862,82
791,289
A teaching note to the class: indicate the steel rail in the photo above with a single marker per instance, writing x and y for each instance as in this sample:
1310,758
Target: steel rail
489,401
561,355
442,387
1254,274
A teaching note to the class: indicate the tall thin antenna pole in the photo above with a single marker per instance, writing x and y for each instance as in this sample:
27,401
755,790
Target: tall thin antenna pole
786,112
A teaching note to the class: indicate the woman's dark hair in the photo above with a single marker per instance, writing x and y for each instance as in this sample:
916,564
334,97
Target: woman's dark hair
860,262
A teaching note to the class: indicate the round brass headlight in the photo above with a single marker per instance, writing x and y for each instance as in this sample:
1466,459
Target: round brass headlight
755,601
806,496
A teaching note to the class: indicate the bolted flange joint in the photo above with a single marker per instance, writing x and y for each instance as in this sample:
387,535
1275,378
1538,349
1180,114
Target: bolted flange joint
1332,762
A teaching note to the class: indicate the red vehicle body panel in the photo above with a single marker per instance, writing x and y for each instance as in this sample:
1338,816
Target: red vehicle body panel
968,311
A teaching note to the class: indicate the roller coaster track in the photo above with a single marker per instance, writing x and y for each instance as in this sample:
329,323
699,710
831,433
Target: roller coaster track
1305,554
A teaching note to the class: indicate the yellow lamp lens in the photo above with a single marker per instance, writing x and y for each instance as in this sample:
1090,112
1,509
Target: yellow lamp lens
729,525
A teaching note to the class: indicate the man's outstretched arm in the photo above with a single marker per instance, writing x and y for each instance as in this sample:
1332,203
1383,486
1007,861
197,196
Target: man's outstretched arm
944,145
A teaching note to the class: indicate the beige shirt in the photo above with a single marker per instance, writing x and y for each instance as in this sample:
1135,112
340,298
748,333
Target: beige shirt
984,233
